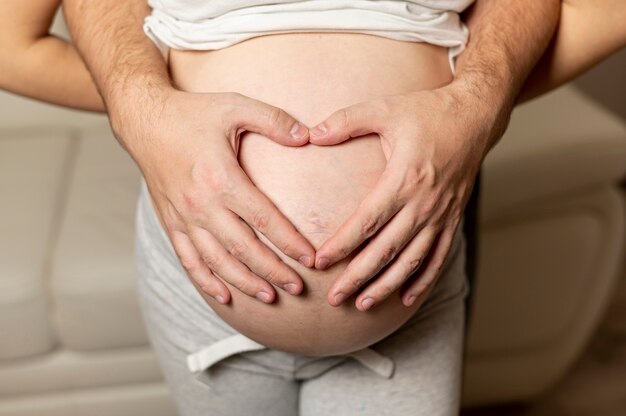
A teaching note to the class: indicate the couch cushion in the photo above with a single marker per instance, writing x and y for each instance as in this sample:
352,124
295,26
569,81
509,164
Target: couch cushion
62,370
558,144
32,169
92,271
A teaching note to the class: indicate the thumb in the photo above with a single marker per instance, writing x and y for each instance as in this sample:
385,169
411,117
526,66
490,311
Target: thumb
353,121
273,122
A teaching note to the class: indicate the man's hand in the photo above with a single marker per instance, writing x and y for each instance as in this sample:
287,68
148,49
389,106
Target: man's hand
205,201
434,142
186,147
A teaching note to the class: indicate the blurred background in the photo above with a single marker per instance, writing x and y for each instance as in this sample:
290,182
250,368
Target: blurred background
547,334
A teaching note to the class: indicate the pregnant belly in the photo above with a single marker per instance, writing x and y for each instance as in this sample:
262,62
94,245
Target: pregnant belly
310,75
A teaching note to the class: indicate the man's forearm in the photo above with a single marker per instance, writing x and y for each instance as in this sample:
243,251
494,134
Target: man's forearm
507,38
127,67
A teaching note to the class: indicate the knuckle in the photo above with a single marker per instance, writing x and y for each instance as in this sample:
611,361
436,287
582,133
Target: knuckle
411,181
413,264
208,288
217,180
192,200
357,282
344,118
172,219
428,205
345,252
369,225
213,262
209,291
429,174
386,255
430,278
274,117
245,286
238,250
271,276
420,288
338,252
170,227
283,244
188,264
260,221
456,215
450,196
430,282
286,247
415,221
385,292
424,175
438,267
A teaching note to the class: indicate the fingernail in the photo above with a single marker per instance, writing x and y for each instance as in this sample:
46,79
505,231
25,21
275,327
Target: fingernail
319,130
367,303
291,288
220,299
263,296
339,297
305,260
322,263
297,131
411,300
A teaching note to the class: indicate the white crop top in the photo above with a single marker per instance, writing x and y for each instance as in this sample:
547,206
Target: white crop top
216,24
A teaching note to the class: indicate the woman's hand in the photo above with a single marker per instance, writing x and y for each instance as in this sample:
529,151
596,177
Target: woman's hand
204,200
434,143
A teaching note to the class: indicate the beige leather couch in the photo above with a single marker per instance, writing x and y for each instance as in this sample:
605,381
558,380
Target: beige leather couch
71,336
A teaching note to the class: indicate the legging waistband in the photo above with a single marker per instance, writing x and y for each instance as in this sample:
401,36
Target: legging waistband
206,357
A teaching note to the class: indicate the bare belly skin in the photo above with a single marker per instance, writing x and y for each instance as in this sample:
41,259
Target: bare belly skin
310,75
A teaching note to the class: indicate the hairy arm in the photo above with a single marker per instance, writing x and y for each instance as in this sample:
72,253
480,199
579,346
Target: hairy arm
434,141
199,191
39,65
507,40
127,68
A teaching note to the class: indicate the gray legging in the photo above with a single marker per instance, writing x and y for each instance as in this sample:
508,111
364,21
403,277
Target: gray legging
212,370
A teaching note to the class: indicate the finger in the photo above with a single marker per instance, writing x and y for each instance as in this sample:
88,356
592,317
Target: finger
431,268
379,205
345,123
378,252
272,122
405,265
229,269
241,242
196,269
257,210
